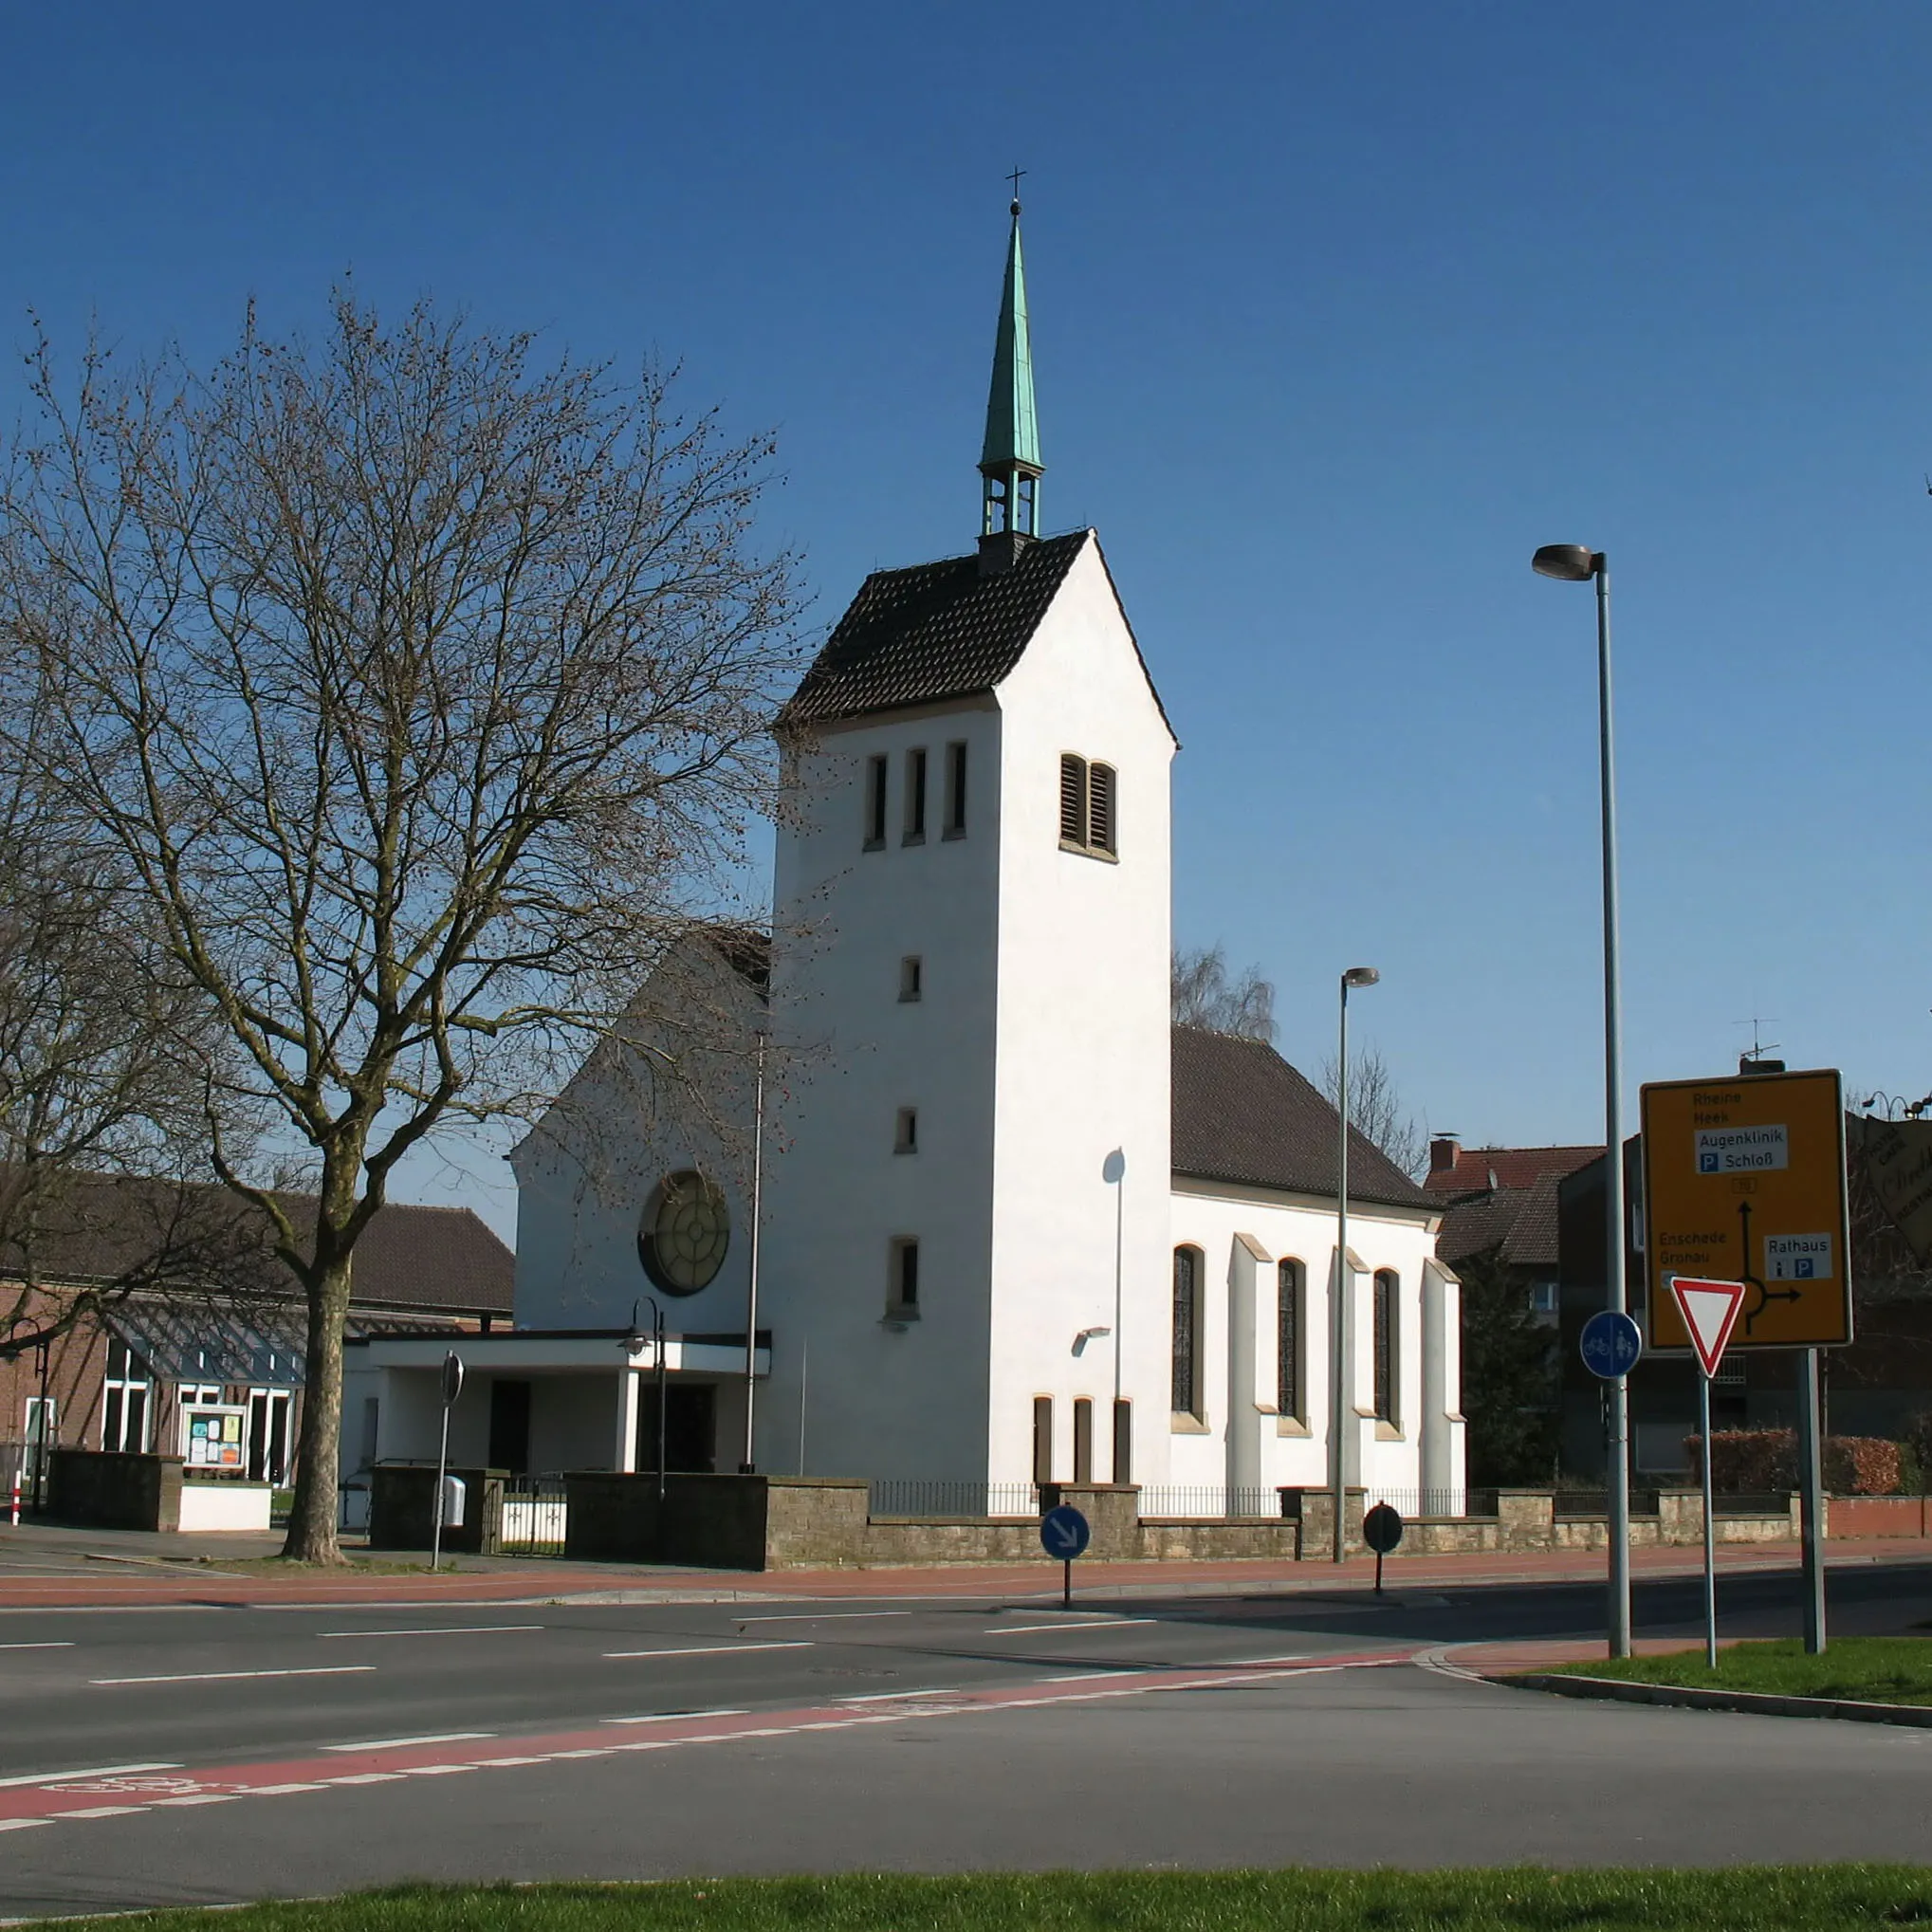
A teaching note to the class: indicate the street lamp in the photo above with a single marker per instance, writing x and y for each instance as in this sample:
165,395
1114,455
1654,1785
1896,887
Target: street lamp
1578,563
1338,1314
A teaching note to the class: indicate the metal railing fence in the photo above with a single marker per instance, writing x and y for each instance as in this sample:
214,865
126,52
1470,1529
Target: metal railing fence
1209,1499
1412,1504
938,1495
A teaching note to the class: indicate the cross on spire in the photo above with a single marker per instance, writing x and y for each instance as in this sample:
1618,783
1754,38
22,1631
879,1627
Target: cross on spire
1014,177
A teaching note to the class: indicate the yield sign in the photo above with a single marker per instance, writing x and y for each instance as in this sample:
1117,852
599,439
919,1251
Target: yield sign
1710,1312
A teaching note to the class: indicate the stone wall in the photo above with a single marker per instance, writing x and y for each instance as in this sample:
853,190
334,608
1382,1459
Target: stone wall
783,1522
402,1510
103,1489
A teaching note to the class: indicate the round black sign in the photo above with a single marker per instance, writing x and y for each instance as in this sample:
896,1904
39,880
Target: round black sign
1382,1529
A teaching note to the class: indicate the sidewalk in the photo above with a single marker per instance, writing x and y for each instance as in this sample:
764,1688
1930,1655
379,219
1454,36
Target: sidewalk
43,1567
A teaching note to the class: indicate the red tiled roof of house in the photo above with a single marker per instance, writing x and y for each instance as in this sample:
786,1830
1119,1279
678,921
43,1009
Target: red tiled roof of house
1485,1170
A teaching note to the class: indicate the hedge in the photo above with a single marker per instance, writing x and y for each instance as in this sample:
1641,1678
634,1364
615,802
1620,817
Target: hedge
1765,1461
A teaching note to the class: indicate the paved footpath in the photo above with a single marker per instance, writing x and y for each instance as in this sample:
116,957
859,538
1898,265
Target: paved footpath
49,1569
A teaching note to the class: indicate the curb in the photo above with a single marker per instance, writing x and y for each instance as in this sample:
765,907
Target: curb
1685,1697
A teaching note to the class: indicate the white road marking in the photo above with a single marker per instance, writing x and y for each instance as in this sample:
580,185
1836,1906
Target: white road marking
104,1812
887,1696
436,1770
367,1778
817,1616
402,1744
1031,1630
448,1630
207,1798
102,1771
21,1823
715,1650
671,1717
226,1676
275,1791
1090,1676
66,1645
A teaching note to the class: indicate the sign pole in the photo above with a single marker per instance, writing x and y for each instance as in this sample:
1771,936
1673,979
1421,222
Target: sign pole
1812,1501
1067,1583
442,1468
1703,1423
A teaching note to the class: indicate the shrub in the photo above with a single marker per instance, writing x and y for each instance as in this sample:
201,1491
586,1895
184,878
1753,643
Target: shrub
1861,1465
1919,1438
1758,1461
1911,1470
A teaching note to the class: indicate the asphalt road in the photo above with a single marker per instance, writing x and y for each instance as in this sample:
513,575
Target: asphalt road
206,1747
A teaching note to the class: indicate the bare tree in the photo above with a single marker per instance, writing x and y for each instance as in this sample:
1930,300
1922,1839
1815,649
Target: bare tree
423,691
1204,995
104,1059
1375,1110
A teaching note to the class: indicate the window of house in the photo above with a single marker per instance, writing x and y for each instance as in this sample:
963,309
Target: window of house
1388,1340
1187,1331
42,1436
915,797
955,790
1291,1284
1123,1439
1042,1438
124,1400
1084,1439
911,977
1073,800
902,1290
874,802
906,1136
1100,808
1544,1298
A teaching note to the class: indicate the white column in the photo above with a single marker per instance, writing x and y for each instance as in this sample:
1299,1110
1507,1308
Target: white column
1442,1379
625,1460
1244,1326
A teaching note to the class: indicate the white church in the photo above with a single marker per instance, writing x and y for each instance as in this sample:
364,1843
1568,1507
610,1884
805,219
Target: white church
960,1206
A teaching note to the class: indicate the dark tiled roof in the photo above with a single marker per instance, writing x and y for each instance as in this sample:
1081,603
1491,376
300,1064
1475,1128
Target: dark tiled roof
1531,1241
1476,1225
932,633
1241,1114
1482,1169
152,1234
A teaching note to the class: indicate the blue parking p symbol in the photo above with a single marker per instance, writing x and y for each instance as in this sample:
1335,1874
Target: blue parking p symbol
1707,1164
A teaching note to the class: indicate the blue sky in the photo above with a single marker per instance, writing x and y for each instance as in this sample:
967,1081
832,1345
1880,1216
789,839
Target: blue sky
1339,312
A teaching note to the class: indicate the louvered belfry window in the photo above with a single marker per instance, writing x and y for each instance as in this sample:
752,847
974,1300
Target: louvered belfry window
1100,807
1072,799
1187,1331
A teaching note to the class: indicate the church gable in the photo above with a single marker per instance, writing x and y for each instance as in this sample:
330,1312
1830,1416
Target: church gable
932,633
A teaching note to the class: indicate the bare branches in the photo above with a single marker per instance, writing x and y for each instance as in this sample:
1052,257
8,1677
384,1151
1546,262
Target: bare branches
1375,1110
420,691
1202,995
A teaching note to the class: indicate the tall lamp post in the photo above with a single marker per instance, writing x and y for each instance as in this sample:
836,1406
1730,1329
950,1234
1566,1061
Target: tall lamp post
1578,563
1338,1316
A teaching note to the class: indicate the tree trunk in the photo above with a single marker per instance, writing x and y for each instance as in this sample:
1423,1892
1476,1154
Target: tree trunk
312,1521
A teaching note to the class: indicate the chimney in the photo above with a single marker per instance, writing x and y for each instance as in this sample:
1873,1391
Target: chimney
1442,1151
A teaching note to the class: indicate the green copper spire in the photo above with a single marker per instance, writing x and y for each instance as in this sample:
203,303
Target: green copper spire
1009,459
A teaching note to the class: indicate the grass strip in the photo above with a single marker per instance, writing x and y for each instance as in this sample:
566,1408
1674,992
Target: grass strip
1744,1899
1888,1670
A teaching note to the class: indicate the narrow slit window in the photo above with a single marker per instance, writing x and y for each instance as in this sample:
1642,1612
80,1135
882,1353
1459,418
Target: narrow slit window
905,1277
1042,1438
874,802
1290,1279
1072,799
1084,1439
916,796
911,977
1100,808
906,1135
955,790
1187,1331
1388,1341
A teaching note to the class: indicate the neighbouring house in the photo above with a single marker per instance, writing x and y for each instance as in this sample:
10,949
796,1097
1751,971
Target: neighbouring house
1010,1225
1498,1232
224,1336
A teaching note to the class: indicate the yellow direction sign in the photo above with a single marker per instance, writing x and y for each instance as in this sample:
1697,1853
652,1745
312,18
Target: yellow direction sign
1744,1181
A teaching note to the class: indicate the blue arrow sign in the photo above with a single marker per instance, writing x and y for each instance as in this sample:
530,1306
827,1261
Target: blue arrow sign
1611,1344
1064,1533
